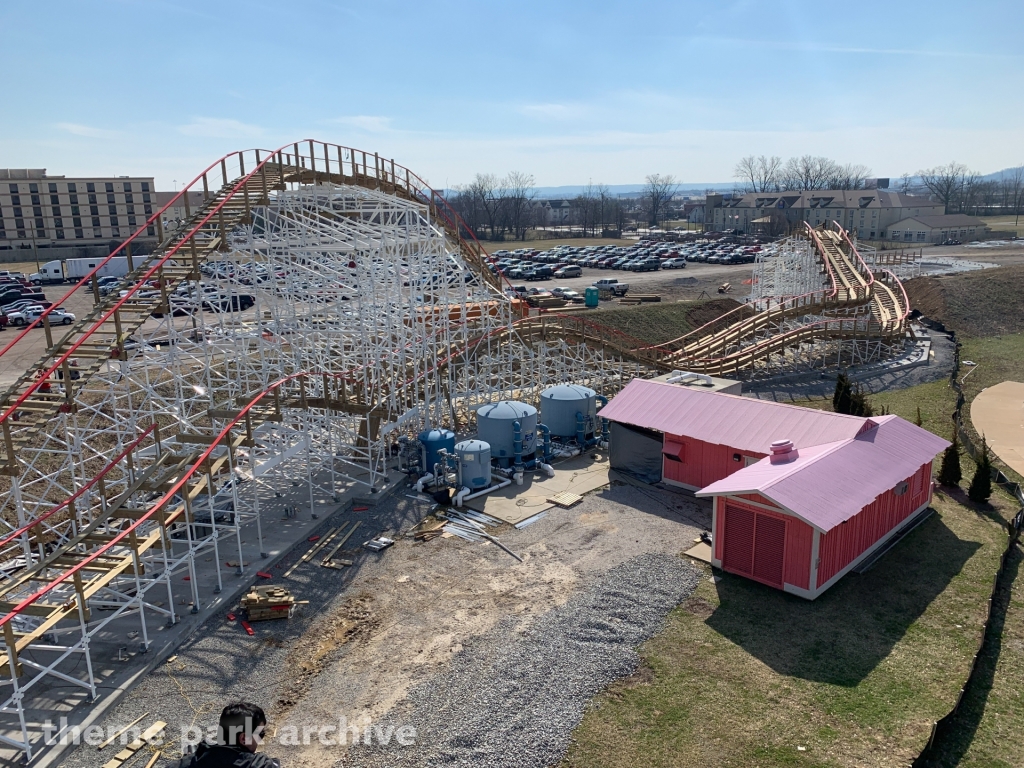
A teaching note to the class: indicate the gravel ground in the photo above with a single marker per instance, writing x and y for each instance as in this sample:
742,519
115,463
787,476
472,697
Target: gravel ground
394,621
513,697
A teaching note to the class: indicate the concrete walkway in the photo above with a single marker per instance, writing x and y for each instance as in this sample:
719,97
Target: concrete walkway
998,414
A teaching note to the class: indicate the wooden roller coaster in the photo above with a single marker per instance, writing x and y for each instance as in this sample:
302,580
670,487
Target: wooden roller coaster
123,441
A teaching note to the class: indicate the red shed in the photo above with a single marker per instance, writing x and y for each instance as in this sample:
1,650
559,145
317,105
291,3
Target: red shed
834,490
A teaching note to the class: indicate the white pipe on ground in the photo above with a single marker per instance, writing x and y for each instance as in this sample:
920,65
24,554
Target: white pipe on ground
548,469
464,495
423,481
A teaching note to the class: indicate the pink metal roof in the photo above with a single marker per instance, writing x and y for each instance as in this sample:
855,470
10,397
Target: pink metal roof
828,484
738,422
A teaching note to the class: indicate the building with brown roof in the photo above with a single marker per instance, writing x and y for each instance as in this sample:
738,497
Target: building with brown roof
869,213
937,229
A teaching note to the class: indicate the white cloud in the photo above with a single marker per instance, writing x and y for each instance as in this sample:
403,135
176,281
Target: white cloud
368,123
220,128
87,130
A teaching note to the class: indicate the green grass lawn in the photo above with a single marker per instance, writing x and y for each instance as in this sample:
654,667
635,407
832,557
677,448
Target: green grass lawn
746,675
544,244
1005,223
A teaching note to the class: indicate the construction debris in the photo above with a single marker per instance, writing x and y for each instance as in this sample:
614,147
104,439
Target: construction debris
312,552
329,561
129,751
270,602
428,528
470,525
565,499
379,543
133,722
531,520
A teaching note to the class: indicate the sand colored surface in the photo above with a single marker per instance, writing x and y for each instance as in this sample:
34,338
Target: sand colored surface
998,414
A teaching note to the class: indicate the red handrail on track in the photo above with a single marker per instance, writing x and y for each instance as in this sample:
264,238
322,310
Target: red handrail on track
102,473
89,275
183,240
177,486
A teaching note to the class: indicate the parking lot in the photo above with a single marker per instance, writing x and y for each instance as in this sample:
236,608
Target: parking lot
673,270
643,256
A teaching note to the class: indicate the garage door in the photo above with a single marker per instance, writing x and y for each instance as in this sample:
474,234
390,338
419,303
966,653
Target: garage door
755,544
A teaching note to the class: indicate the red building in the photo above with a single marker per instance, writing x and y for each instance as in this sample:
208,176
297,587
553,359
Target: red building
800,496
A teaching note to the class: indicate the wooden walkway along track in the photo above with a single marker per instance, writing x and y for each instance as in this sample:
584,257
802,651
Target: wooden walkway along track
729,347
102,334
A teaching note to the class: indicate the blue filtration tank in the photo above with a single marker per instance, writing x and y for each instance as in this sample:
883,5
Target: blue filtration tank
559,406
474,464
494,426
433,440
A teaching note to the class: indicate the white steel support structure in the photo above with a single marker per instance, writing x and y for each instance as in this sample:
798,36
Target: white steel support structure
320,306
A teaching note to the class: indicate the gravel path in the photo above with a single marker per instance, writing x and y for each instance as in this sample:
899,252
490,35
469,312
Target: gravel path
513,699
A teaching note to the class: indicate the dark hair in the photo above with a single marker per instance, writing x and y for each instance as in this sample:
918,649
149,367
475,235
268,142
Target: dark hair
240,717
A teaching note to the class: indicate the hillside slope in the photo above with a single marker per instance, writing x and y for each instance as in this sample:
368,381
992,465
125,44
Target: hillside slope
658,323
989,302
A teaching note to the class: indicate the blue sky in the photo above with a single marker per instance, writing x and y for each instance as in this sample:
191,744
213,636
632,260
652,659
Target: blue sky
568,91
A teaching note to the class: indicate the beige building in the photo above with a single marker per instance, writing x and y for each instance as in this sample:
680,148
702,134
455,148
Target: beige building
175,214
56,213
937,229
867,212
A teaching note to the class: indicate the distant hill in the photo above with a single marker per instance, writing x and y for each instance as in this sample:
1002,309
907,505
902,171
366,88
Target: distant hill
633,190
999,175
699,188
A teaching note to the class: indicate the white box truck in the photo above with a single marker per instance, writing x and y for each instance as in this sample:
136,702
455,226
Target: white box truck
76,269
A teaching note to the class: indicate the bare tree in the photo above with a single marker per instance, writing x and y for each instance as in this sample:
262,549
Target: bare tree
947,183
809,173
485,190
518,192
905,183
759,174
849,176
658,190
1012,187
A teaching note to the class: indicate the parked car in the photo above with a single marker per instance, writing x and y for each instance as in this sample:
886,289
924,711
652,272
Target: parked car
613,285
17,306
28,315
647,265
539,273
676,263
569,271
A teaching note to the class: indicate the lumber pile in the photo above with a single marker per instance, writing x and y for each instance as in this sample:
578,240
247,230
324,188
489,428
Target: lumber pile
270,602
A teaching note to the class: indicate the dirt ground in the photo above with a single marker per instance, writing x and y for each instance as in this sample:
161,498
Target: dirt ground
393,620
988,302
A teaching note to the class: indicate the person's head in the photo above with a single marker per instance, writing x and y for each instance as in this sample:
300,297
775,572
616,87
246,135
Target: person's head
241,725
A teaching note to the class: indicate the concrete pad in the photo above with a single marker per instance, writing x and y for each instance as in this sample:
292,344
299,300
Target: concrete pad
998,414
515,503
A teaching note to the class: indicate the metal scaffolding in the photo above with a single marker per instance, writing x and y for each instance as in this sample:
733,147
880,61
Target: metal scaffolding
322,304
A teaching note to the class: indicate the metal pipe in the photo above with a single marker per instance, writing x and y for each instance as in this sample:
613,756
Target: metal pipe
517,448
464,495
546,432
